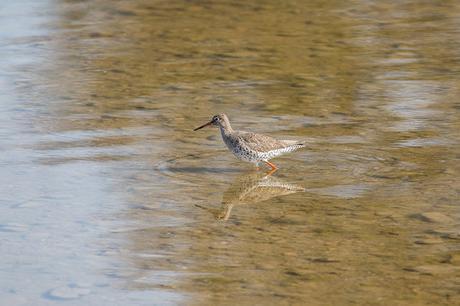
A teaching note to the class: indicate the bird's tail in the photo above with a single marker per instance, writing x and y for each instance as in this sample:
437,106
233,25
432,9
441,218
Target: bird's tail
292,145
295,143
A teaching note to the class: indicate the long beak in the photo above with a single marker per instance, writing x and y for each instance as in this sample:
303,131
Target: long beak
204,125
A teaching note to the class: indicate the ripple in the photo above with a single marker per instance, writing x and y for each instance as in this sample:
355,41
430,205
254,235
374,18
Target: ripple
342,191
67,292
14,227
423,142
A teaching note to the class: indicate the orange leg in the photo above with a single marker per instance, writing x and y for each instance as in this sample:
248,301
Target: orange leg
271,171
271,165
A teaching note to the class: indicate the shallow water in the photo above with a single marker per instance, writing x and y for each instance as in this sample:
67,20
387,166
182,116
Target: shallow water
108,197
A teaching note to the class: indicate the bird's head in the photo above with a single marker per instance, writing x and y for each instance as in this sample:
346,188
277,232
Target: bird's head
220,120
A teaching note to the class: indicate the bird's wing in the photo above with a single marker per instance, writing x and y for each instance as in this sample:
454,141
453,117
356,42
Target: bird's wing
260,142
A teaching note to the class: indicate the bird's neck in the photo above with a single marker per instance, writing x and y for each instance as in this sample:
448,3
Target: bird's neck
226,128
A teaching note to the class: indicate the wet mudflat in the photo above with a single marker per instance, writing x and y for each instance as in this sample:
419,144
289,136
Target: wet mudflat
108,197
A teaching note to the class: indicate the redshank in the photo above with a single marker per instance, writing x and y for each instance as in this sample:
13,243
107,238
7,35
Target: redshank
252,147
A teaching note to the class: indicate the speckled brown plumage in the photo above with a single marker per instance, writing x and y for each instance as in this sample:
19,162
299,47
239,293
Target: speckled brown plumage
252,147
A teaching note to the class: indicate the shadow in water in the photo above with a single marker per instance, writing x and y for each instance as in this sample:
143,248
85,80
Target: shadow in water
251,188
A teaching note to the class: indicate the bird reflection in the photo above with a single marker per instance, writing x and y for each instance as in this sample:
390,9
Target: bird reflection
252,188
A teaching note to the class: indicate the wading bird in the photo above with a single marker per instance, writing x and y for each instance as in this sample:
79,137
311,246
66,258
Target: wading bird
252,147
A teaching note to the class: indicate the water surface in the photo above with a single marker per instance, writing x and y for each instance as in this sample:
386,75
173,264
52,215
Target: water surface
108,197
